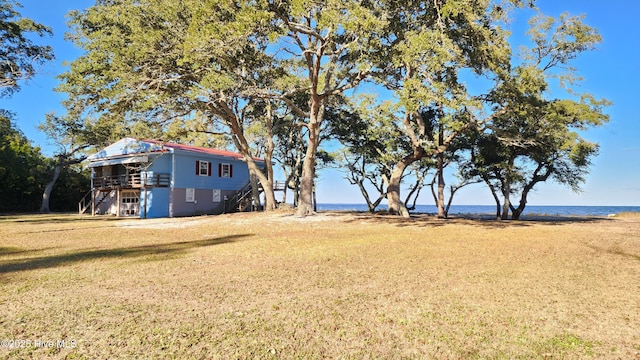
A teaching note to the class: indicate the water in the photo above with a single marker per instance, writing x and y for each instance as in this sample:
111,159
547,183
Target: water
491,209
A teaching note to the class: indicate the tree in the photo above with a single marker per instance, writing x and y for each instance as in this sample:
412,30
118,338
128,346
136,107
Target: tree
435,43
535,138
370,138
73,137
72,184
329,45
19,55
22,168
289,153
534,147
452,158
165,61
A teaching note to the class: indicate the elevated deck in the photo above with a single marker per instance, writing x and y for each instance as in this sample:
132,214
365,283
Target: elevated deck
131,181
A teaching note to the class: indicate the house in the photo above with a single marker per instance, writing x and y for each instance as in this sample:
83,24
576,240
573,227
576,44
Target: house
152,179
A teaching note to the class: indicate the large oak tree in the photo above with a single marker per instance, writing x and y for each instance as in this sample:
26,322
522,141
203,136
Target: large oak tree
19,55
157,62
537,138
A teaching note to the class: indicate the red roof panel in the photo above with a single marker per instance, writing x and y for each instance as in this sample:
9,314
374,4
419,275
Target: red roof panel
199,149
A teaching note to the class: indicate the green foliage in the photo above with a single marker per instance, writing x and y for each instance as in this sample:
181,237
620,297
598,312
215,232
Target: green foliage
74,182
533,138
19,55
22,169
168,62
24,172
369,130
272,76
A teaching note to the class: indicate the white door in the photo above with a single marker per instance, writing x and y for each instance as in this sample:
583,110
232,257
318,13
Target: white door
130,203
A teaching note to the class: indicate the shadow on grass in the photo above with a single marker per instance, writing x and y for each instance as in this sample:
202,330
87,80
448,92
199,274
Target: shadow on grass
53,218
616,251
482,220
58,218
52,261
11,251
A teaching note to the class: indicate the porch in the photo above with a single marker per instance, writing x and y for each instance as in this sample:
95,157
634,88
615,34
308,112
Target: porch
131,181
105,187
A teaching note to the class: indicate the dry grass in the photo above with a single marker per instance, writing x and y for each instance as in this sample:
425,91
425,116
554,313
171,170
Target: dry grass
347,286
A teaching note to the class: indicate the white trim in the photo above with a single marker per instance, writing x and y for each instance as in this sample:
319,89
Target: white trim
205,167
226,174
190,195
122,160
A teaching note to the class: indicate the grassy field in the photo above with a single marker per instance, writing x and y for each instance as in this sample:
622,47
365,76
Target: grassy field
350,286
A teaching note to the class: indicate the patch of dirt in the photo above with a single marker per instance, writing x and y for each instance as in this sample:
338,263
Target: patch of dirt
163,223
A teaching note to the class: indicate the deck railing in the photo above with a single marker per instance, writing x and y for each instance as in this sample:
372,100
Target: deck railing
131,181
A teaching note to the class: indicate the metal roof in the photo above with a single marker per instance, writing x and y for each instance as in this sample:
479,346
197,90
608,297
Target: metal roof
128,147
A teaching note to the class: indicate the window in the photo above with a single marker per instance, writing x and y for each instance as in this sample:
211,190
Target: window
130,198
130,203
225,170
203,168
190,195
216,195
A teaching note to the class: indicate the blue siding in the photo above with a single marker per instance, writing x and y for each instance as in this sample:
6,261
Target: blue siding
186,177
161,164
180,163
157,202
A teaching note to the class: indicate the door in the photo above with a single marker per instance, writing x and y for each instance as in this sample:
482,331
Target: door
130,203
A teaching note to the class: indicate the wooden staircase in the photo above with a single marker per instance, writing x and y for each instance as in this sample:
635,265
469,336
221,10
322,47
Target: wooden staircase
85,203
242,200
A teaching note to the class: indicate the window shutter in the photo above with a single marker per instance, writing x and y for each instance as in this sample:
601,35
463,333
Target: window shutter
219,170
209,173
230,170
197,167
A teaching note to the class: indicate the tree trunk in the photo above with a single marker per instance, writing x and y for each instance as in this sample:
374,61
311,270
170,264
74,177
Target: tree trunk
315,201
305,200
442,214
452,192
495,197
255,193
295,179
506,207
358,177
396,205
415,189
296,192
267,183
365,194
270,202
515,214
46,195
536,178
240,141
506,188
433,191
284,194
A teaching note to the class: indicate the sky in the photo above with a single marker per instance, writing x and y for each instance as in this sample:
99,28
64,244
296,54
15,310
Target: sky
611,72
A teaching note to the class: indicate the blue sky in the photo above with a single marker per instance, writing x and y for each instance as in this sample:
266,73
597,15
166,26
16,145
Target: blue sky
610,72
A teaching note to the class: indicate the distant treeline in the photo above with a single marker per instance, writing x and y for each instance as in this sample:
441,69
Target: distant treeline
25,171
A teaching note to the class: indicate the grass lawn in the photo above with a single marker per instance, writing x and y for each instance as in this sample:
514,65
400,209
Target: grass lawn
351,286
